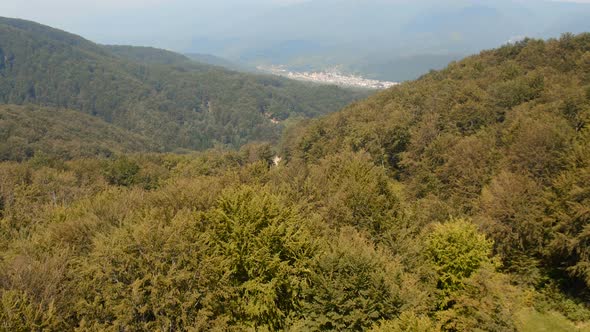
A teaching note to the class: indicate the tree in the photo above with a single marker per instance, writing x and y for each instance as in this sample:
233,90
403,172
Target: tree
569,206
355,285
122,171
457,250
267,251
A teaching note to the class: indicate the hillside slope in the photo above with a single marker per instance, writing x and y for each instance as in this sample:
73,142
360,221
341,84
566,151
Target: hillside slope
147,55
217,61
501,137
28,130
152,92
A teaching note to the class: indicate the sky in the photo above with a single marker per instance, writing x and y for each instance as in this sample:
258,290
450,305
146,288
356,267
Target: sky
160,23
163,22
68,9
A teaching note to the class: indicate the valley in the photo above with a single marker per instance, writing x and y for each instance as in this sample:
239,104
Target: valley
329,77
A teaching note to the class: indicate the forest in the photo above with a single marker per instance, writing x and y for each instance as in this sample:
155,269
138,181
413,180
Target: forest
29,130
456,202
162,96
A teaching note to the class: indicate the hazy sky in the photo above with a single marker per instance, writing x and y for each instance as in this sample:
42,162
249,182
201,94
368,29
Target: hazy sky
66,8
161,23
63,12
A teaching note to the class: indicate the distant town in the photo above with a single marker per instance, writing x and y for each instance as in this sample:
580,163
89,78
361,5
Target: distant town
328,77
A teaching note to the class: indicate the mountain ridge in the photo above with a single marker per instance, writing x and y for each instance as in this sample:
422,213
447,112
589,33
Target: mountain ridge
157,94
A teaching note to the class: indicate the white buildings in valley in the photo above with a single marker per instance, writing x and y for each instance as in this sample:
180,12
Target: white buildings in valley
329,77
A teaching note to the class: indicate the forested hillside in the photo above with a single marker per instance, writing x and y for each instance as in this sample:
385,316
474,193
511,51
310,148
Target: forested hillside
502,138
458,202
29,130
148,55
157,94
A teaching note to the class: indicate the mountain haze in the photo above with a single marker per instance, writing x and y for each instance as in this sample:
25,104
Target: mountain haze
349,33
315,34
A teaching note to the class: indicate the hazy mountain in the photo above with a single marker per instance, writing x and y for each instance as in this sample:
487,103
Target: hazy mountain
343,32
160,95
317,34
402,67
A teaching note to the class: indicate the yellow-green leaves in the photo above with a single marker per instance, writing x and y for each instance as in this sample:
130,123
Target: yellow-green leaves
268,253
457,250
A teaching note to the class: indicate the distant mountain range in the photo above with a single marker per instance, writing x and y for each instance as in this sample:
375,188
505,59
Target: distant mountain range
154,95
414,36
392,40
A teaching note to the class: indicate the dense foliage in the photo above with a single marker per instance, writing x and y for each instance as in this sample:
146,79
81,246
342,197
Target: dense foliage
501,138
160,95
33,131
458,202
219,241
